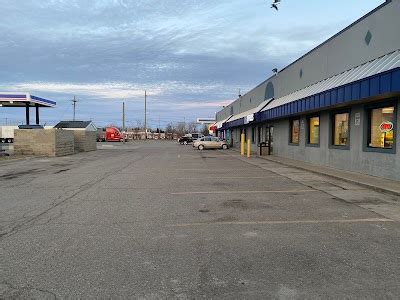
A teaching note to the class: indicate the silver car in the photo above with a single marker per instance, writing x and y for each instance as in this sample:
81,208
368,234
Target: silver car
210,142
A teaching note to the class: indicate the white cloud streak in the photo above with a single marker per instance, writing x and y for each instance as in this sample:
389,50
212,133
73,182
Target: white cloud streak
118,90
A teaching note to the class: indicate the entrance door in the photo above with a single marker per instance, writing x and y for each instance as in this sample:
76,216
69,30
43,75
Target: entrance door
270,139
229,137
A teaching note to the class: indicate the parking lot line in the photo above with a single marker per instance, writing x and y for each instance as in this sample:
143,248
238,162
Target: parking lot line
222,178
245,192
296,222
220,170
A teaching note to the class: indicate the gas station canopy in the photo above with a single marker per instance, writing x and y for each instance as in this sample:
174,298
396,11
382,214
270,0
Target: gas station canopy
25,100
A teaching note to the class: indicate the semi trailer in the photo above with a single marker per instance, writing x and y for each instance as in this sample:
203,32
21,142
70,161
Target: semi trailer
7,134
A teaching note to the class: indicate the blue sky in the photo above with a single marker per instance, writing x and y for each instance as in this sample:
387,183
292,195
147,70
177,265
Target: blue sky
191,56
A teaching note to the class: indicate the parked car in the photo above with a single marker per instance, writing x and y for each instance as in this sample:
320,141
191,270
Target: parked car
185,140
210,142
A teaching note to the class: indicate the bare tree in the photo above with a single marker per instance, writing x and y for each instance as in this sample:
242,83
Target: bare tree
192,127
205,130
139,124
170,128
181,128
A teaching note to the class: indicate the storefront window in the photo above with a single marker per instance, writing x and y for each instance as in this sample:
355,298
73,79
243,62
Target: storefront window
381,127
294,131
313,133
341,129
253,135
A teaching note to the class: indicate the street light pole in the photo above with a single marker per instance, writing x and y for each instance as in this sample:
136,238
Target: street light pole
74,104
123,121
145,115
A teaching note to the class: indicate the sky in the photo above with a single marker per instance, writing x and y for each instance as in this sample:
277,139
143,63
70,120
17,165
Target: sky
191,56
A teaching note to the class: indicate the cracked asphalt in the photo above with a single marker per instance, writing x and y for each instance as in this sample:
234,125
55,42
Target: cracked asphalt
159,220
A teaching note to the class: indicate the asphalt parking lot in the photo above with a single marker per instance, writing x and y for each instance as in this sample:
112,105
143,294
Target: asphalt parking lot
159,220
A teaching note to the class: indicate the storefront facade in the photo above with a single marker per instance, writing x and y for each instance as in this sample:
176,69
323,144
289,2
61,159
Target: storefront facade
338,110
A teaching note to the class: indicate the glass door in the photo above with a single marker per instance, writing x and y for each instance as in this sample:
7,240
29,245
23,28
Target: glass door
269,138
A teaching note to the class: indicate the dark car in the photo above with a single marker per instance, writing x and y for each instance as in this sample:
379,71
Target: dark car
185,140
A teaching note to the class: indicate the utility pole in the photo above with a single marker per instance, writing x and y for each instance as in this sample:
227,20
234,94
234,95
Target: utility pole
159,126
123,120
74,104
145,115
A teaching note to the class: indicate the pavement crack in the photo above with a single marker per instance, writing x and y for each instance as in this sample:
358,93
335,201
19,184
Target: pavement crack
30,222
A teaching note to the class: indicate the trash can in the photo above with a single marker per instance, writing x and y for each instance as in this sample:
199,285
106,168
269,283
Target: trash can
262,149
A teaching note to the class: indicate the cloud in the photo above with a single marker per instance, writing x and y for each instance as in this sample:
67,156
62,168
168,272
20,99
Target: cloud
203,104
118,90
190,55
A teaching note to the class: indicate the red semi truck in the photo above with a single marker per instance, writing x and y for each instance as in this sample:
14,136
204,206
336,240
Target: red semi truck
111,134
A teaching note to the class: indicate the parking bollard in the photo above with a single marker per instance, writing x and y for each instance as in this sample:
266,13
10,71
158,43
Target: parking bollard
242,144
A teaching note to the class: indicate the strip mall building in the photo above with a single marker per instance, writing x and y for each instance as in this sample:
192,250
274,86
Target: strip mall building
337,105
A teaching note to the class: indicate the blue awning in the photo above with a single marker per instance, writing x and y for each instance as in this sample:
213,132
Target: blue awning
244,117
378,77
375,78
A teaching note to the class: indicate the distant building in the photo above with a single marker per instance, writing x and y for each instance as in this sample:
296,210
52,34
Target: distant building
76,125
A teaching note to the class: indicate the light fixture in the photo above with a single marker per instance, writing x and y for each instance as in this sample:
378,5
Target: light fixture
11,102
275,70
388,110
1,105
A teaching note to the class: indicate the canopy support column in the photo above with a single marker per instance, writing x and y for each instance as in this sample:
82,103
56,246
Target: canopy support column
37,114
27,113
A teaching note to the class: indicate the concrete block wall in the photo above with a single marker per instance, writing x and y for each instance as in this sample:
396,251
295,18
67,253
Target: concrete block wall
43,142
85,140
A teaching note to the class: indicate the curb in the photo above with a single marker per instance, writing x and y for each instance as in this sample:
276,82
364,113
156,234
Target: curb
370,186
373,187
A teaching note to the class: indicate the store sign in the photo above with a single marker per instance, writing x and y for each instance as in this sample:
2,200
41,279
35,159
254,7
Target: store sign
357,119
250,118
386,126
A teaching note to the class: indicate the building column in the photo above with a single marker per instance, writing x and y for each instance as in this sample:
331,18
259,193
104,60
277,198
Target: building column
27,113
37,114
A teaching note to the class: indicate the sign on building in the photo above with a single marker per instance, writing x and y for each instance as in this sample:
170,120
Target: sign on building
249,118
357,119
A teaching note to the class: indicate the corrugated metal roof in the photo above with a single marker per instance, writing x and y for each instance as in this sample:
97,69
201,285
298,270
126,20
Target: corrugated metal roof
220,123
73,124
384,63
251,111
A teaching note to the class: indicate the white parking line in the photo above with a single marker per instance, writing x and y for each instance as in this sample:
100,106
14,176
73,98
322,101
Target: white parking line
245,192
220,170
344,221
222,178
